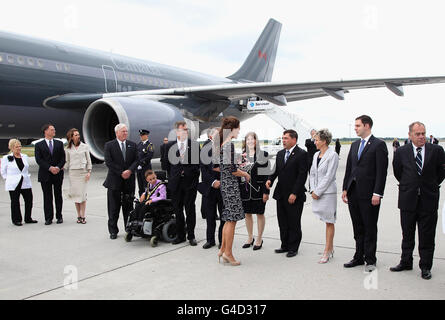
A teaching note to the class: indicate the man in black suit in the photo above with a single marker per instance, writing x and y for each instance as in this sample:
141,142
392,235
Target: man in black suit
162,149
419,168
121,158
145,154
210,190
181,159
363,187
291,170
50,156
433,140
311,148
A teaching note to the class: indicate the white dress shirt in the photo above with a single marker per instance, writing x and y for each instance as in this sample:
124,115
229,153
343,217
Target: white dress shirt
421,152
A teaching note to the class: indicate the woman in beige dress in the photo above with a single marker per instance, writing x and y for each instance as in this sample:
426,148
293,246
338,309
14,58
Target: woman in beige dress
78,161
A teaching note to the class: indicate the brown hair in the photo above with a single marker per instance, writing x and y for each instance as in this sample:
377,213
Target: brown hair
227,123
179,123
149,173
254,135
69,137
365,120
45,127
292,133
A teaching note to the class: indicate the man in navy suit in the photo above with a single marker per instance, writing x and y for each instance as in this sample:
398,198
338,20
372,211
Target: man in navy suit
419,168
291,171
121,158
50,156
363,187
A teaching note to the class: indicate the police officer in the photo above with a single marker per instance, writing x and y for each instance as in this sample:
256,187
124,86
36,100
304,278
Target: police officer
145,153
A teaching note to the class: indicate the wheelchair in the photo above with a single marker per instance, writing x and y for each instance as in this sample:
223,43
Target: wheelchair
154,222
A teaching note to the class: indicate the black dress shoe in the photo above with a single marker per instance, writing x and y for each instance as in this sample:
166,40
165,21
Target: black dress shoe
48,222
178,240
354,263
31,221
193,242
59,221
248,245
281,250
291,254
207,245
113,236
401,267
17,224
258,247
426,274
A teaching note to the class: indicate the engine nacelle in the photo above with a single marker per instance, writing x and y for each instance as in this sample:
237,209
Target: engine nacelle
104,114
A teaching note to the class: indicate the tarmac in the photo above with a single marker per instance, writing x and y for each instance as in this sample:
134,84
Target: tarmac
73,261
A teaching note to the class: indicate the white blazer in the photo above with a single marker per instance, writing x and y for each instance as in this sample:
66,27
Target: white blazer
12,174
322,178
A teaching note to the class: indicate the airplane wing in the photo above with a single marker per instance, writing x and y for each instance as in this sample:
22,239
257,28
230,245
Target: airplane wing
282,92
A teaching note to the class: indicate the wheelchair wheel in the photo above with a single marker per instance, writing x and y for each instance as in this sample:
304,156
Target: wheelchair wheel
128,237
154,241
169,231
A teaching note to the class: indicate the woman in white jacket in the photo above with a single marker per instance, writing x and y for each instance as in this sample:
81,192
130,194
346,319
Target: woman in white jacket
323,188
14,169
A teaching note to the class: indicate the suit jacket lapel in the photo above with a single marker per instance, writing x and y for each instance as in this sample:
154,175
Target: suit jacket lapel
325,157
290,156
428,155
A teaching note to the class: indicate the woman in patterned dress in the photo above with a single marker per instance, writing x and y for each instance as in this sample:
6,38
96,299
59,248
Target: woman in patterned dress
233,207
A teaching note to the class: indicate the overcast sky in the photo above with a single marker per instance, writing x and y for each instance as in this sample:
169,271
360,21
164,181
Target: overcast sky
320,40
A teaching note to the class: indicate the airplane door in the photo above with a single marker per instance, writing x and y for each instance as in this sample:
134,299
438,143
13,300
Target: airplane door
110,78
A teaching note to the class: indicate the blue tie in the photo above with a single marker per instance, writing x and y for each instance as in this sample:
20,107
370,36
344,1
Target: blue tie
362,146
419,161
287,156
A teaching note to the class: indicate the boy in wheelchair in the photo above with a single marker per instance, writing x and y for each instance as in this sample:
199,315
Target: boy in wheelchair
153,213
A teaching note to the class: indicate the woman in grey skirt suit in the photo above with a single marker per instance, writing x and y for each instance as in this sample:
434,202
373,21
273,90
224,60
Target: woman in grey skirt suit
78,161
323,188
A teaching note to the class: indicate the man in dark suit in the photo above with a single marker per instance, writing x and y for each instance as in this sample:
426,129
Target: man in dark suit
291,171
121,158
311,148
181,159
50,156
210,190
145,154
419,168
363,188
433,140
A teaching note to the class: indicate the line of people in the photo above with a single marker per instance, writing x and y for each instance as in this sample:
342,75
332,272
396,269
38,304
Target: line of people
238,186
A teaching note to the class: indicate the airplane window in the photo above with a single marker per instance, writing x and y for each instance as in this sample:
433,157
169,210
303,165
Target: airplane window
1,58
20,60
40,63
127,77
133,78
67,67
10,59
31,61
58,66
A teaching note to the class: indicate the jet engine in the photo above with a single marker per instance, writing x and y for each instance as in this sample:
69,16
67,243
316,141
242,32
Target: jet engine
104,114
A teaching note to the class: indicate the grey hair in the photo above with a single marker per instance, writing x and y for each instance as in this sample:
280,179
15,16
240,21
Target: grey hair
324,135
119,127
411,126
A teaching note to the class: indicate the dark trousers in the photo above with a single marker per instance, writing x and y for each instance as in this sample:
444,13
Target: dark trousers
209,206
16,214
48,188
184,198
142,182
289,222
364,218
426,222
115,200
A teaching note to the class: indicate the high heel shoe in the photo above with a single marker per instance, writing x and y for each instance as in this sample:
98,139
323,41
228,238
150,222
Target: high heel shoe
222,255
248,245
232,262
258,247
326,257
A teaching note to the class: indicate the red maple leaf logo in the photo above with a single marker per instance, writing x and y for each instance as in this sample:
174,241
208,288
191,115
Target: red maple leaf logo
262,55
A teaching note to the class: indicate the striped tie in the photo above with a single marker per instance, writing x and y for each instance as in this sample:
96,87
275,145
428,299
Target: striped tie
419,160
